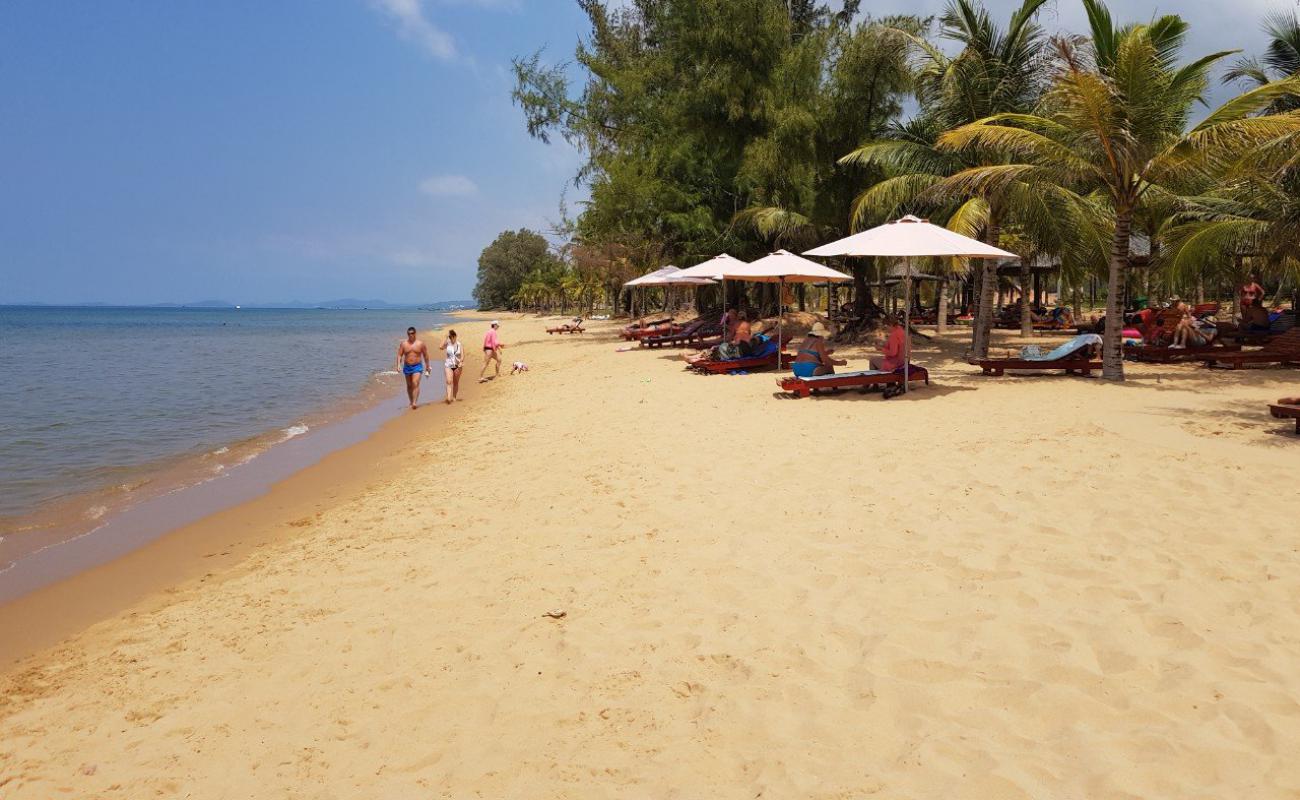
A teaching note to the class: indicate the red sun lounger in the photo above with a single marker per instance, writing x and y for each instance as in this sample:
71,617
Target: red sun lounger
862,381
695,332
1284,411
750,364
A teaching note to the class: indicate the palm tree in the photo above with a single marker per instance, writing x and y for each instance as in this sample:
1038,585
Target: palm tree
1255,212
1115,120
995,72
1281,59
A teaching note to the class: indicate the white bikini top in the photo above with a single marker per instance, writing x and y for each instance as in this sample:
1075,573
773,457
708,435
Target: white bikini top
453,354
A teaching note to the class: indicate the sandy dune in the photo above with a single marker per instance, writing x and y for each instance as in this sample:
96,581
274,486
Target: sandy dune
991,588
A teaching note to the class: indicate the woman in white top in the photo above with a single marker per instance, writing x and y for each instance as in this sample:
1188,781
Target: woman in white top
455,359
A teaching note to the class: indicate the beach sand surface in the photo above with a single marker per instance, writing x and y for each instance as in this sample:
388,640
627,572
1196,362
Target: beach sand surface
1019,587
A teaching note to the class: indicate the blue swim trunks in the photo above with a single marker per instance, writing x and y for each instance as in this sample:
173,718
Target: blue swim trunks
412,369
804,369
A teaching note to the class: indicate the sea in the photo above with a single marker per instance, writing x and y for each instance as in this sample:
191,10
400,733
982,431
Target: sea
103,409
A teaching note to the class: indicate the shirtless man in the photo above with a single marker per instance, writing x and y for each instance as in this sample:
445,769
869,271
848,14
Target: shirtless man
413,361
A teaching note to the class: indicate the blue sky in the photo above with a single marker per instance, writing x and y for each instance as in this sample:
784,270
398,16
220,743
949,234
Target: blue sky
300,149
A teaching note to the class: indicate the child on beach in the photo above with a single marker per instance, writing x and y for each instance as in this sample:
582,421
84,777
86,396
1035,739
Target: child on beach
518,367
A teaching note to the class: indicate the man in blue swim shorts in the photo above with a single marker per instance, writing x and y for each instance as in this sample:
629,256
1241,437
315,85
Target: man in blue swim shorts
413,362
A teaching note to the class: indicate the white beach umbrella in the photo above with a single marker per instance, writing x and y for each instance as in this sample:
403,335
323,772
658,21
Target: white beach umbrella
782,267
908,238
667,276
712,269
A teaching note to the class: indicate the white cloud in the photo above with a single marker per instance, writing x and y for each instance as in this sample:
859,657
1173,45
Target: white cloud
448,186
408,16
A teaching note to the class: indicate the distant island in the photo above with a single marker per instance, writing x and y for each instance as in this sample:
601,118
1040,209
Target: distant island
345,304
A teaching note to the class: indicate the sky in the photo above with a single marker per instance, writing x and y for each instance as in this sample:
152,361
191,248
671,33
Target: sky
257,151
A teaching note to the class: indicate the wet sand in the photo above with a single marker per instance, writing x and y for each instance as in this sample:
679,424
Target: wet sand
1016,587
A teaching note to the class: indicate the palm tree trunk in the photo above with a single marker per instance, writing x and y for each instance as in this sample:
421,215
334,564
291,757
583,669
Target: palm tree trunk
988,284
1112,354
1026,310
941,324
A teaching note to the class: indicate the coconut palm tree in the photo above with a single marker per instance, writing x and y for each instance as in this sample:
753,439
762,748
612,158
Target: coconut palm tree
1254,212
1281,58
1053,220
1115,120
996,71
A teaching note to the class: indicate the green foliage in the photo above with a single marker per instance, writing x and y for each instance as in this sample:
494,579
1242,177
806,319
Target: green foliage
690,112
746,125
1281,58
1115,122
504,265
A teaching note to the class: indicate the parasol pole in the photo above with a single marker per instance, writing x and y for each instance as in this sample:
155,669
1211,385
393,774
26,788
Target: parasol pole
780,318
907,319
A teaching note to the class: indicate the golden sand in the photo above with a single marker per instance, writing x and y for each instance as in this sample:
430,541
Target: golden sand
990,588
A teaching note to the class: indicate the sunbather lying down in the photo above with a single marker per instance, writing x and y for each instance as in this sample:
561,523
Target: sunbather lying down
758,345
1289,401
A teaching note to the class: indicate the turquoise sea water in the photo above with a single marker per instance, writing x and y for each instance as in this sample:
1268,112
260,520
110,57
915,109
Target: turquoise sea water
99,402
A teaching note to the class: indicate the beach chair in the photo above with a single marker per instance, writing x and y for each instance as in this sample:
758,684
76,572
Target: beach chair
1164,354
694,332
568,327
1286,411
1075,357
658,330
763,357
652,328
1283,349
747,364
864,381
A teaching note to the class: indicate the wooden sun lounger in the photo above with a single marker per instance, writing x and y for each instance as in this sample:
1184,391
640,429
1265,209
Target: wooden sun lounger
733,364
1255,338
661,330
862,381
1072,366
1284,411
1283,349
695,332
1159,354
652,324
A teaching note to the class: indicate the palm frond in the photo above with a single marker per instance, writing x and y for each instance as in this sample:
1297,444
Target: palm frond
1250,102
889,199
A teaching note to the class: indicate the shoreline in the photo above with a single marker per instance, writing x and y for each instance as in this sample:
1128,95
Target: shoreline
981,584
81,581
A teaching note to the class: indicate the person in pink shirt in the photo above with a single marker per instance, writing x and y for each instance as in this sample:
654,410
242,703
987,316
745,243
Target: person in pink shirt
894,354
491,352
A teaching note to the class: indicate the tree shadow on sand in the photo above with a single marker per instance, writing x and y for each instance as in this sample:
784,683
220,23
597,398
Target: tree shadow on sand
917,394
